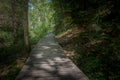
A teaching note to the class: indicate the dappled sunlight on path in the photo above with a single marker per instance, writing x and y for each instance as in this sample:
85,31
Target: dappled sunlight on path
47,61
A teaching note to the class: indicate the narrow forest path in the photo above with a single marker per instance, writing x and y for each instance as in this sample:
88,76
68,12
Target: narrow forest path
47,61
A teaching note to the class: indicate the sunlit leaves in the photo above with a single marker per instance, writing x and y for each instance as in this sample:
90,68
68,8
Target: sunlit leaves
41,19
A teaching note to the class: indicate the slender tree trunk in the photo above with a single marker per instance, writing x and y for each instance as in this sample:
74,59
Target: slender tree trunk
25,25
38,12
14,22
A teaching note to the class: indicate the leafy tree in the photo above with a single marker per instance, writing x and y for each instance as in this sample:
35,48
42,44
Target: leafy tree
40,18
100,22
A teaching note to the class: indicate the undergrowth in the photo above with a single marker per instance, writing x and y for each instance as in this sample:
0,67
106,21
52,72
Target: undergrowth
95,52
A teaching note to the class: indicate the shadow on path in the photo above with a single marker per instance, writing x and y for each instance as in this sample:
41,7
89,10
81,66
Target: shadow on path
48,62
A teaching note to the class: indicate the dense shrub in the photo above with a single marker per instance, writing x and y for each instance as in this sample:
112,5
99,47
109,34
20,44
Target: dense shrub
98,45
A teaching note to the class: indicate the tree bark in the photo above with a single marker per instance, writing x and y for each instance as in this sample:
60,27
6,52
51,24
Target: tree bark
14,22
25,25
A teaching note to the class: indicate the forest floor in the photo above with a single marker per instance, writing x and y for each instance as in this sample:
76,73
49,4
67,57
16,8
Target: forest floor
89,62
66,41
10,67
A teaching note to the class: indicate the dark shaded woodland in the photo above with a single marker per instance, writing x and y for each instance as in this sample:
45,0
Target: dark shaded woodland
89,28
97,42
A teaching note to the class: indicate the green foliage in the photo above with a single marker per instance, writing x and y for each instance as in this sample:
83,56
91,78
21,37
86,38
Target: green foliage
97,46
13,71
40,19
99,43
11,37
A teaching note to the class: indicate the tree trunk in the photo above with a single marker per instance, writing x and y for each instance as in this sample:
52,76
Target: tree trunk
25,25
14,22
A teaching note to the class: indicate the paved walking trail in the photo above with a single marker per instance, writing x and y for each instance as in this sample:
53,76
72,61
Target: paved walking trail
48,62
